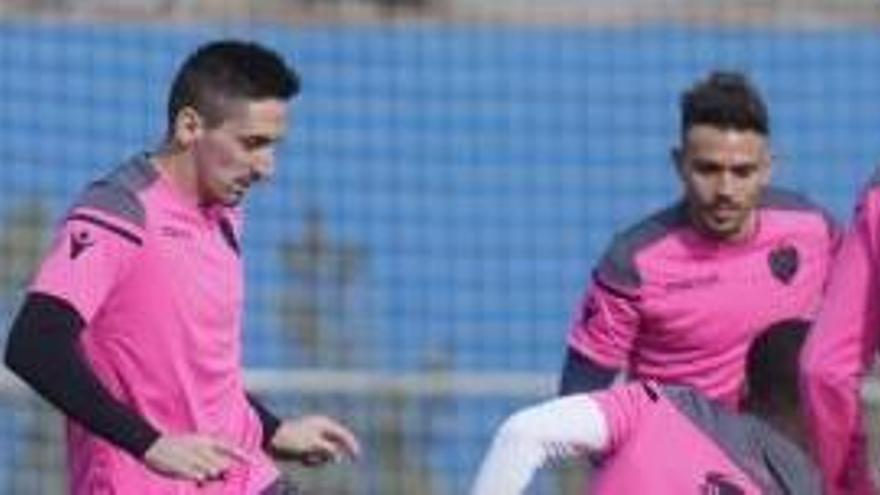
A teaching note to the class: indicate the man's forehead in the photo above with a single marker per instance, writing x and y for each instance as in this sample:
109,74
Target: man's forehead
262,116
710,132
707,139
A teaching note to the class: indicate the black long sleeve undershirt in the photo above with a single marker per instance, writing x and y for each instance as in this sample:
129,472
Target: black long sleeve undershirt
582,374
43,350
268,420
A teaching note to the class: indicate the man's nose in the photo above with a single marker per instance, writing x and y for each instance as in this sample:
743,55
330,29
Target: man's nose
726,185
263,168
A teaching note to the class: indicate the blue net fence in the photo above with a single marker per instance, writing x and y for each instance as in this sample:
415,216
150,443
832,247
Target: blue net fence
447,187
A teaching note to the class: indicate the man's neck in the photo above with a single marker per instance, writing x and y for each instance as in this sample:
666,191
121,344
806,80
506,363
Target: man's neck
178,168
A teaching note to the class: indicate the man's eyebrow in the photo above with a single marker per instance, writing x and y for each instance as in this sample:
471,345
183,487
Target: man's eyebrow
258,139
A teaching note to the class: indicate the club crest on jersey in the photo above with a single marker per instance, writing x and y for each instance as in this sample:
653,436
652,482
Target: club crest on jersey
784,262
79,242
718,484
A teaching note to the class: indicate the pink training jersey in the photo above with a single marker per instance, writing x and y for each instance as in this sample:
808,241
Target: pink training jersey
158,281
667,440
672,305
841,348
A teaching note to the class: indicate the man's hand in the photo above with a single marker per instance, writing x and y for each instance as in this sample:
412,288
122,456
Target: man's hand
313,441
193,457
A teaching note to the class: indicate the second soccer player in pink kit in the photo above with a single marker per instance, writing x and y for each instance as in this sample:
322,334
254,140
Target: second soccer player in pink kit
678,297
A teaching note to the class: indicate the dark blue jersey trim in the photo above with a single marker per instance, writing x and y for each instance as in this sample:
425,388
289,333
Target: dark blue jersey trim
83,217
597,279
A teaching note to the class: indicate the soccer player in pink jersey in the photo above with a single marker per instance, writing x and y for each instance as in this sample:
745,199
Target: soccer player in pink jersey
677,297
670,440
841,350
132,325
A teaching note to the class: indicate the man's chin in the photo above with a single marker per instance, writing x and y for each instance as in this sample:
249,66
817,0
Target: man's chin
232,199
722,229
725,231
233,202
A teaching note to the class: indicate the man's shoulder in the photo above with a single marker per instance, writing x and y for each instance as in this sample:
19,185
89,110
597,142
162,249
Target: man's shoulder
117,194
786,201
781,198
767,455
789,465
617,266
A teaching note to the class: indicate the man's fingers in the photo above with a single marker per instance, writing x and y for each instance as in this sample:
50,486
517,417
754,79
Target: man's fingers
343,438
231,452
196,469
209,464
213,458
198,458
320,450
313,458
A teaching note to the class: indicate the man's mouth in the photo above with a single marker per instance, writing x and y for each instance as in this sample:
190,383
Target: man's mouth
725,212
239,188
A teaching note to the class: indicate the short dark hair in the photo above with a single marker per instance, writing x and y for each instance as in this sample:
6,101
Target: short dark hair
772,363
725,100
226,70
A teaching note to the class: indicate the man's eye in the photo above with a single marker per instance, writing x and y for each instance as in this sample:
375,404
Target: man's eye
254,142
706,168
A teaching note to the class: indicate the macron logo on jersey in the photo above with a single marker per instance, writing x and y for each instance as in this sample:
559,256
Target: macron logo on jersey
79,242
81,238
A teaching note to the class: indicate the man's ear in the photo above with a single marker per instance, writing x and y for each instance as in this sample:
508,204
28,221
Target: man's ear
188,126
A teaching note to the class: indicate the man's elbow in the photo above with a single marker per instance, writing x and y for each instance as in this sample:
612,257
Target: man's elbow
43,334
15,356
519,431
580,374
12,352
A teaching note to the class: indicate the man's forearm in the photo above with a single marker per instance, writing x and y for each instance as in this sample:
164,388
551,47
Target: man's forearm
553,430
43,350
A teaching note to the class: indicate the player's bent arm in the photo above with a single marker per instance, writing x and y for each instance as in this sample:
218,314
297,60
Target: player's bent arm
311,441
582,374
553,430
43,350
602,337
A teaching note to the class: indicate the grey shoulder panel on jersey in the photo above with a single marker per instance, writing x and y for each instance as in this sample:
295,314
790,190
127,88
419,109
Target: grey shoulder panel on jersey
772,461
793,471
785,199
116,193
617,266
